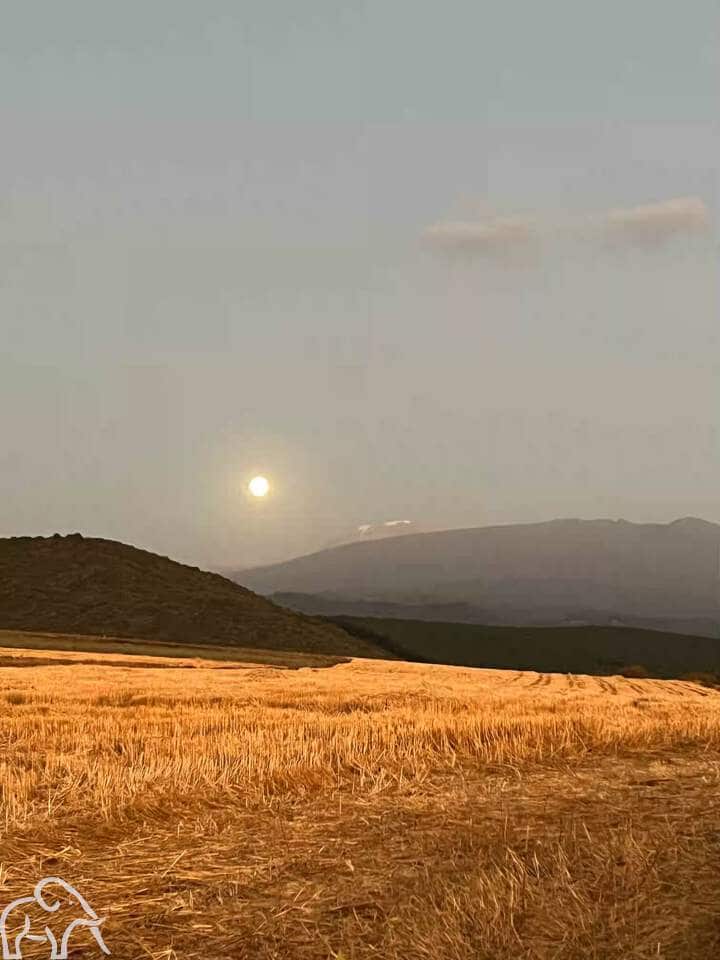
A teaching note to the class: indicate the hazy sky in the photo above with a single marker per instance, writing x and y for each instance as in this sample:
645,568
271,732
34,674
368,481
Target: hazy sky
453,262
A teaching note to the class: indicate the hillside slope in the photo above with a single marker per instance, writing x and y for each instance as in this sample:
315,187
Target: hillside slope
331,607
84,585
578,650
524,573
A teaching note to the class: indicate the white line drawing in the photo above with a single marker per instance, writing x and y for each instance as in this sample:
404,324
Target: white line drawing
31,930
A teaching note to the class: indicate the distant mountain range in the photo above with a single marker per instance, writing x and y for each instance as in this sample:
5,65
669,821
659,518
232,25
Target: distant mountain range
660,575
614,576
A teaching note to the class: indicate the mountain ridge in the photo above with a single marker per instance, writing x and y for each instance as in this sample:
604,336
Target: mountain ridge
648,570
416,534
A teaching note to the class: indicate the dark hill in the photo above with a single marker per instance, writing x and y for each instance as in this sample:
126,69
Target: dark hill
100,587
579,650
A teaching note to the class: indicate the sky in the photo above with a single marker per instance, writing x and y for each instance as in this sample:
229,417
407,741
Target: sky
455,263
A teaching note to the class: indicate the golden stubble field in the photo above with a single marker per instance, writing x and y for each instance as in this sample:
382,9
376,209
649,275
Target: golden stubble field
369,809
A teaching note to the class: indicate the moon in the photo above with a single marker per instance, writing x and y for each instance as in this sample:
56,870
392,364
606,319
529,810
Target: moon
259,486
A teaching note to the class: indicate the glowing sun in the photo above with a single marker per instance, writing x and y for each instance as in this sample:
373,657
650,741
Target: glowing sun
258,486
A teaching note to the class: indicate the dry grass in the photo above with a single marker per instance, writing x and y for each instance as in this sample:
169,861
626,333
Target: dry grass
371,809
163,653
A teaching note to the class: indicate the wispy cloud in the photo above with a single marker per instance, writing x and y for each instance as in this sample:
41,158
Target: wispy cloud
655,222
499,237
513,238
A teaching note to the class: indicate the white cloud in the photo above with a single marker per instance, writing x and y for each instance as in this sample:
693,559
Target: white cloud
495,237
512,238
655,222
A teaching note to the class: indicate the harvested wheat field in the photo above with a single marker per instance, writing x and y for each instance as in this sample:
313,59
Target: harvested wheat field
366,809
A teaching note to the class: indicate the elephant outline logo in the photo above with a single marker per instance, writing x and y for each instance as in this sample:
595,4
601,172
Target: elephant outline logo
12,950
